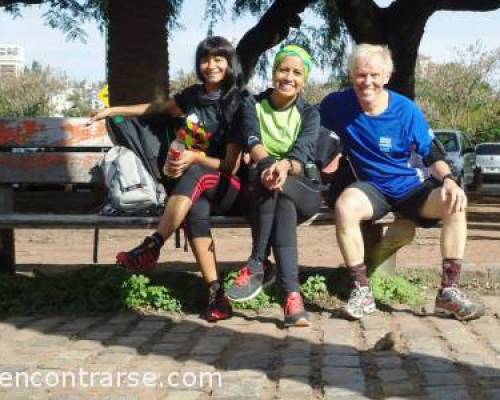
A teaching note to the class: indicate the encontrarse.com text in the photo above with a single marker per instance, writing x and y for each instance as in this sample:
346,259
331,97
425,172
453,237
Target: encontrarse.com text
93,379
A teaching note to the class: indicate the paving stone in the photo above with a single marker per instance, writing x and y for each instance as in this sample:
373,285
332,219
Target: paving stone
398,388
132,341
436,365
388,362
112,358
347,390
336,360
184,395
123,318
390,375
292,387
341,376
78,324
211,345
443,378
447,393
295,370
243,389
99,335
151,325
91,345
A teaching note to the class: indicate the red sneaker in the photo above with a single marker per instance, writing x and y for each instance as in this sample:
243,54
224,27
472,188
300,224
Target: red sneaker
142,258
218,308
295,314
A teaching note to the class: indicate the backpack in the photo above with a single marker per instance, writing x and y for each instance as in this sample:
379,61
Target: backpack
131,188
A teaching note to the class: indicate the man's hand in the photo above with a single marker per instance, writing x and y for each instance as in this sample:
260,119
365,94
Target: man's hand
454,195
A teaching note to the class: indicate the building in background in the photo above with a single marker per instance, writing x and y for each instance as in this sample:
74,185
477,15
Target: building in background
11,60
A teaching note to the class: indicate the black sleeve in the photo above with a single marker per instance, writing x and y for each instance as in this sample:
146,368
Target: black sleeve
248,124
328,146
186,99
304,148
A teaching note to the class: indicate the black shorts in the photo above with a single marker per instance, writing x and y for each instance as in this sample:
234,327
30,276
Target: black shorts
409,207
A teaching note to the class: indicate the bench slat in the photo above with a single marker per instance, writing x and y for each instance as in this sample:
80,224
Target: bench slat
71,221
40,132
49,167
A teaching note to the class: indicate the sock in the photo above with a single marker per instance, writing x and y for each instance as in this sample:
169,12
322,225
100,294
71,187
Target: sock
158,239
359,274
451,272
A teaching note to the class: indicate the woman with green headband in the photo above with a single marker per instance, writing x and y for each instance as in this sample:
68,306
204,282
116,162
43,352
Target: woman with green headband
279,130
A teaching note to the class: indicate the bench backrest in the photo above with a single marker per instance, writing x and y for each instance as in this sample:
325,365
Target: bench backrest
51,150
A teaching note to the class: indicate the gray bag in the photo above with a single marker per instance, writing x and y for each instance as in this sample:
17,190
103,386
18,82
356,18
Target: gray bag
131,189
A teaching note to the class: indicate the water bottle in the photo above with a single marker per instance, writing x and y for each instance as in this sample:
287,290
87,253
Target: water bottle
176,149
174,153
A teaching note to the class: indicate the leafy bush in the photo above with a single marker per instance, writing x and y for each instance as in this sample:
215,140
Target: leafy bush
314,286
395,289
94,289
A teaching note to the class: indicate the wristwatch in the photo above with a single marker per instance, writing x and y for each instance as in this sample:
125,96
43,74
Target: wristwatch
450,176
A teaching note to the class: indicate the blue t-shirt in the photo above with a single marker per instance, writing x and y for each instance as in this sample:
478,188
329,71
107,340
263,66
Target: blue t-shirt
379,147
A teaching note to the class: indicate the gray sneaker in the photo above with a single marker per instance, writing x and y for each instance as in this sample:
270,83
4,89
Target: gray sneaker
361,302
250,281
452,302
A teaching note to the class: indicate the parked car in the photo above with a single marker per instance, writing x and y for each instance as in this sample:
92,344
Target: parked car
488,162
460,154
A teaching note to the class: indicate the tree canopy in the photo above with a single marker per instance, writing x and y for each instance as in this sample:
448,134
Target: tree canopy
400,26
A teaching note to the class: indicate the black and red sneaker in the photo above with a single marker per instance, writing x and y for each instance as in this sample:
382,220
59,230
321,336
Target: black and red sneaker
295,313
219,307
142,258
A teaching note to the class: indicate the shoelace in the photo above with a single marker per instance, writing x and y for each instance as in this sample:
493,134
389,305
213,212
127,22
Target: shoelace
243,277
458,295
357,295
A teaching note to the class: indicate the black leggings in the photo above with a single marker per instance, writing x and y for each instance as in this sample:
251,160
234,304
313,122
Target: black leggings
211,193
274,219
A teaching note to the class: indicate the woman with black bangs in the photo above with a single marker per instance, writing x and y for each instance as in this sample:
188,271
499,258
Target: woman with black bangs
207,180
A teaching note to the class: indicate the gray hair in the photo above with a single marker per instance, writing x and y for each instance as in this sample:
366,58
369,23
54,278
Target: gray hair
365,50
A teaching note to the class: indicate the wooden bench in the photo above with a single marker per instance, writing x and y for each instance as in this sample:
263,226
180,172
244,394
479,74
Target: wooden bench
56,151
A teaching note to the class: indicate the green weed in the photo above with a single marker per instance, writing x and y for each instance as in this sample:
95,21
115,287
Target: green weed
314,287
396,289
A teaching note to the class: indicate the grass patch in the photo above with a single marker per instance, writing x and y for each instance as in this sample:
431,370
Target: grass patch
397,289
94,289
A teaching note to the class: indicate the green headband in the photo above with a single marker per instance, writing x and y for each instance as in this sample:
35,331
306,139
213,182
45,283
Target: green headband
293,50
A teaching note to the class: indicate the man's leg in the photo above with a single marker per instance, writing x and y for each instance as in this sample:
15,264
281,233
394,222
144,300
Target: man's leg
352,207
450,301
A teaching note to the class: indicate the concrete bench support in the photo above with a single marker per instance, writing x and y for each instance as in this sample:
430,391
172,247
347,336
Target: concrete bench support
7,246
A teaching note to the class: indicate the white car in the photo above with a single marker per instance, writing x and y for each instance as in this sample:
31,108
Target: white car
460,155
488,162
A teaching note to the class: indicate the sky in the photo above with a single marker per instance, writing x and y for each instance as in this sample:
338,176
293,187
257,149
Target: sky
444,32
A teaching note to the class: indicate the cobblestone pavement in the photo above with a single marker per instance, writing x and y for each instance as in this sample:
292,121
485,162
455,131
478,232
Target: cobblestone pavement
391,355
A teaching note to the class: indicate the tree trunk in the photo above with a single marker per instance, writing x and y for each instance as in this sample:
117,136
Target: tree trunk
137,50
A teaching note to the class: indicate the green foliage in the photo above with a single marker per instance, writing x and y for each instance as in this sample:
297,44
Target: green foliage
315,286
395,289
88,290
464,94
138,293
30,93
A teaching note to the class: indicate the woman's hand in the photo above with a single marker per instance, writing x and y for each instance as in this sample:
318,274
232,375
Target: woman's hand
175,168
101,114
274,177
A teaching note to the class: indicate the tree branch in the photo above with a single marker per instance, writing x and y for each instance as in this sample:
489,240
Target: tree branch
361,18
5,3
466,5
271,29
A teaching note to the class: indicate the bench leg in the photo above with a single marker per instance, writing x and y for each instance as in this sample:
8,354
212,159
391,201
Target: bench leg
383,242
7,247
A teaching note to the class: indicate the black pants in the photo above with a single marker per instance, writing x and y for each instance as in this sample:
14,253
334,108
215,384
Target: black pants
211,193
274,218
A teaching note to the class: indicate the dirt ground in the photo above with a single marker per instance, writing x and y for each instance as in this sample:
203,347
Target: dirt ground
58,249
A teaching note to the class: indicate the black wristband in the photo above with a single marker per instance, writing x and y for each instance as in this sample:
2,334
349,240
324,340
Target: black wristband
266,162
450,176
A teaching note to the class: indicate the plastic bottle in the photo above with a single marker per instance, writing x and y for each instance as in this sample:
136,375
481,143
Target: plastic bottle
176,149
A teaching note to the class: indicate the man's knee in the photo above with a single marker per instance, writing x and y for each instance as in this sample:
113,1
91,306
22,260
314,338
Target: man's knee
348,209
